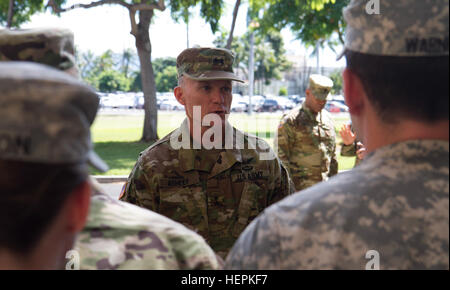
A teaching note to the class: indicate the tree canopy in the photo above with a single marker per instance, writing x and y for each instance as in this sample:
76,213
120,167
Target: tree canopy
270,59
311,21
22,11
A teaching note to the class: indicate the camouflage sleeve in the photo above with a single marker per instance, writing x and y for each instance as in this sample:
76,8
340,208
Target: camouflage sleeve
333,163
120,235
195,254
137,190
282,143
258,247
348,150
281,185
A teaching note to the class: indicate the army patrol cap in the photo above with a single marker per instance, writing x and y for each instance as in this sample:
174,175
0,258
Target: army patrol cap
320,86
403,28
50,46
46,116
204,64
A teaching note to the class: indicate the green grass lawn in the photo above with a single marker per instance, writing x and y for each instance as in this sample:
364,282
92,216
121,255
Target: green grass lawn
116,138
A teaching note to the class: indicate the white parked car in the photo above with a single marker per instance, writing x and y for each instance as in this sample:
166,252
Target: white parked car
171,105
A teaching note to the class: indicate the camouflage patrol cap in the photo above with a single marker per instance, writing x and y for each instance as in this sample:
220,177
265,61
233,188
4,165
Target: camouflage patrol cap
320,86
50,46
46,116
405,28
207,64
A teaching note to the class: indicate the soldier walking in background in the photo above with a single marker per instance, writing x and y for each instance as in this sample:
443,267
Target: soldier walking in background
306,137
351,147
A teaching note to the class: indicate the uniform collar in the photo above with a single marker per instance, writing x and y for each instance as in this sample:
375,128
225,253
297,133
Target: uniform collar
226,159
312,115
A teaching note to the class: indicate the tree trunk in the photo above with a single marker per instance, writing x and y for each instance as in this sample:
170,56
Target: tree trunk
187,34
233,23
144,49
10,14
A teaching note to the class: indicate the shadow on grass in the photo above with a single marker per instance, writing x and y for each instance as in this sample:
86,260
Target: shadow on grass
120,156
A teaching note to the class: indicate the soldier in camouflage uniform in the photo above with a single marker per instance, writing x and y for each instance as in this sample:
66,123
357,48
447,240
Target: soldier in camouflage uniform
117,235
217,191
44,149
350,146
392,210
306,137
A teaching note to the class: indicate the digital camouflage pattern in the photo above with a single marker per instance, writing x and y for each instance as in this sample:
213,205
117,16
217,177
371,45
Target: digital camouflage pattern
307,146
119,235
421,29
213,192
46,115
206,64
395,202
50,46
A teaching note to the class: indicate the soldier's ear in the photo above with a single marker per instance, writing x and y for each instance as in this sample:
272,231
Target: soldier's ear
178,92
77,208
308,92
353,92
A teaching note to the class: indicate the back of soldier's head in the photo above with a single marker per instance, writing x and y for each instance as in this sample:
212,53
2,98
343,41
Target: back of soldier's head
45,142
50,46
399,50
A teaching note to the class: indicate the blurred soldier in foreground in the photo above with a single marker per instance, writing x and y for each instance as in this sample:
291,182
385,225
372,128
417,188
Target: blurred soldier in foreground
117,235
306,137
392,210
351,147
212,190
44,147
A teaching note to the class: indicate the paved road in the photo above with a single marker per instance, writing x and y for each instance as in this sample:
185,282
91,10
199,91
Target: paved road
112,189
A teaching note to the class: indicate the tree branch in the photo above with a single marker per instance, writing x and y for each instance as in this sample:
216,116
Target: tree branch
57,9
133,21
235,12
159,6
10,14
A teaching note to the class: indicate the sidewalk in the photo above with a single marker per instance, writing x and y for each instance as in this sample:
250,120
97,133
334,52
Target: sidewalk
112,185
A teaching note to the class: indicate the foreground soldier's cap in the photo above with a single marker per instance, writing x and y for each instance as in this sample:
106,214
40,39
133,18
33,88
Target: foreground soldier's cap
403,28
203,64
46,116
50,46
320,86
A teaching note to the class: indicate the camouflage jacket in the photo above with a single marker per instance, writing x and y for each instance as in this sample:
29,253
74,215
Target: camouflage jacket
350,151
396,203
119,235
307,146
214,192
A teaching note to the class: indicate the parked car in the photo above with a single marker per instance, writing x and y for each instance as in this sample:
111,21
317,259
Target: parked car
336,107
285,103
239,107
338,98
139,101
171,105
297,99
269,105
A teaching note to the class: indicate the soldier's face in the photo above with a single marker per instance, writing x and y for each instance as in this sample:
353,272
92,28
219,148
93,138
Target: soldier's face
313,103
213,97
